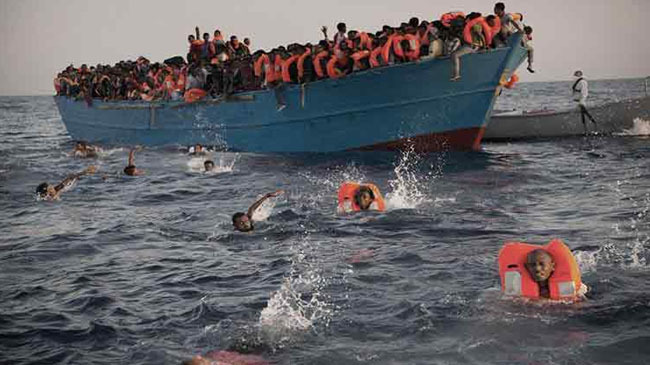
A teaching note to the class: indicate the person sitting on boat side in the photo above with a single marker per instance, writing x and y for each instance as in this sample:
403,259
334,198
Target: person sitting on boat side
207,48
478,41
235,49
243,222
580,91
208,165
130,168
508,24
49,192
355,197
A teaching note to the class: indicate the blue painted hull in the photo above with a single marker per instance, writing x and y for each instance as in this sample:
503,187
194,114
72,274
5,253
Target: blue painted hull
381,108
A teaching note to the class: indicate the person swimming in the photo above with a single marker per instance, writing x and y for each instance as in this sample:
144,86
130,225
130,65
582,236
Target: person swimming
130,168
538,272
198,150
84,150
243,222
354,197
208,165
49,192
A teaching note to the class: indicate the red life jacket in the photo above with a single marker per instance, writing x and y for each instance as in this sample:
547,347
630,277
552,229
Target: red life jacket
358,57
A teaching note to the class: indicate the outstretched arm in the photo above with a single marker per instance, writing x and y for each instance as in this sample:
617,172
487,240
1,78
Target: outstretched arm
324,30
257,204
88,171
131,157
198,34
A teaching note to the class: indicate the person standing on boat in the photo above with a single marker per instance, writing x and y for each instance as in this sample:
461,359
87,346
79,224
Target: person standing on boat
580,91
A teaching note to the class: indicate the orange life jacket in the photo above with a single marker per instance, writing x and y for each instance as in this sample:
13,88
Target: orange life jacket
332,70
347,202
301,63
263,65
180,83
318,66
446,18
518,17
387,49
487,31
397,46
286,64
564,282
365,41
414,43
497,26
193,95
374,61
277,67
358,57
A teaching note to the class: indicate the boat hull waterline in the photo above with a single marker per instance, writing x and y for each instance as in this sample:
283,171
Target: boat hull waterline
379,109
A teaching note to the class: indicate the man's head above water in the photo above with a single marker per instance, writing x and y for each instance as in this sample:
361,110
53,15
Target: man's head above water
540,265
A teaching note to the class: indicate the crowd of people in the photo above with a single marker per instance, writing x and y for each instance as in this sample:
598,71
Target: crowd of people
215,67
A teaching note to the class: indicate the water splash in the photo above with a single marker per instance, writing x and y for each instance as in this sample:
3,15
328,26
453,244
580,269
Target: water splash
265,210
406,189
300,305
630,256
223,165
640,127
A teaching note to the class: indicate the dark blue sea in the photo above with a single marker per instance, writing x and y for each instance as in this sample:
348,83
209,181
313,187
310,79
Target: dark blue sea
148,270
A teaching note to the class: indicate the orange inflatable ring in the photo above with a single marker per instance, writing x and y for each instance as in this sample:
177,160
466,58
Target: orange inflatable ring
347,202
487,31
564,283
512,81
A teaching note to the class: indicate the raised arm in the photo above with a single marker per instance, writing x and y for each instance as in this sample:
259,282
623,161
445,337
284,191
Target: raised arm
257,204
131,157
324,30
88,171
198,34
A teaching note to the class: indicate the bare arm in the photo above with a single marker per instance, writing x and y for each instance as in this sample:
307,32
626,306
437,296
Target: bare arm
324,30
131,157
73,177
198,34
257,204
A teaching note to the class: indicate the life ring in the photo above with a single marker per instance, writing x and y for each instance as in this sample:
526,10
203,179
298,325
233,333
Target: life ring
487,31
564,283
347,202
193,95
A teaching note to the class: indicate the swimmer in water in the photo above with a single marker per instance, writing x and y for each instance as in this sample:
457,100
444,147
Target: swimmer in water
84,150
243,222
46,191
355,197
198,150
540,265
130,168
208,165
540,272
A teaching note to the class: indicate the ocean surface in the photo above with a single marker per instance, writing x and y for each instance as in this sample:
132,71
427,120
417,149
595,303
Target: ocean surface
148,270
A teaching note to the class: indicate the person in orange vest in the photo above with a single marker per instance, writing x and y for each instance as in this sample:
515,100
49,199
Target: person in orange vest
478,41
290,65
320,59
376,58
340,63
305,65
539,272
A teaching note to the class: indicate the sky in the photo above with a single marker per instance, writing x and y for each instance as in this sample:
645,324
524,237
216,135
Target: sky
38,38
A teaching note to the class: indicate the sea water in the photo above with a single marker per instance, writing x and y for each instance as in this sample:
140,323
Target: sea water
149,270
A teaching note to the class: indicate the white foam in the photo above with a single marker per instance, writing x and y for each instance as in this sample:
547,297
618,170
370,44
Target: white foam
265,210
223,165
406,188
639,128
630,256
300,304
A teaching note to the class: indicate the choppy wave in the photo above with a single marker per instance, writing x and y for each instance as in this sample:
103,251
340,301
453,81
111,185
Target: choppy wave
641,127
